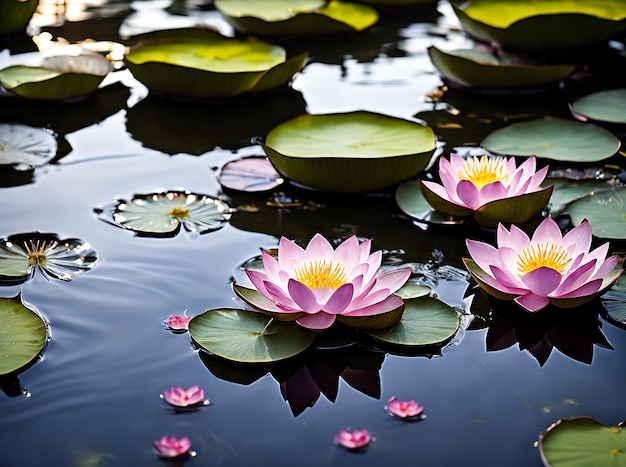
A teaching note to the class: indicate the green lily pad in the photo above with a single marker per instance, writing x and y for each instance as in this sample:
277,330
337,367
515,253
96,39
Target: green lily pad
411,201
200,63
23,335
605,211
565,191
23,144
581,442
602,106
556,24
349,152
614,301
58,77
296,17
247,336
412,290
554,138
481,69
517,210
15,15
259,302
426,321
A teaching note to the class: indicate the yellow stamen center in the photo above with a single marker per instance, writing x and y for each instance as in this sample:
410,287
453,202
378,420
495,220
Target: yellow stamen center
484,170
316,274
179,212
548,254
37,252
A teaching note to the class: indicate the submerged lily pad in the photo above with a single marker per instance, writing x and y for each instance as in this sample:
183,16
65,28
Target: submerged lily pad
349,152
481,69
58,77
554,138
426,321
201,63
163,213
602,106
296,17
582,442
247,336
250,174
605,211
23,144
554,24
23,335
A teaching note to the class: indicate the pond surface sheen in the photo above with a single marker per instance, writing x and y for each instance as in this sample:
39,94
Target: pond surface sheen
94,396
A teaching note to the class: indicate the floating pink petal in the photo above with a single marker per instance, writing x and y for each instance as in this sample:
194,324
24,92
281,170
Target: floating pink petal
169,446
544,268
353,439
180,397
178,323
404,409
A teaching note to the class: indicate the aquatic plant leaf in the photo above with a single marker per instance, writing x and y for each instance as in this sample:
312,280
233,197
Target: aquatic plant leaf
23,334
582,441
602,106
606,211
554,138
411,201
349,152
565,191
165,212
614,301
273,10
259,302
15,16
426,321
516,210
413,290
250,174
23,144
248,336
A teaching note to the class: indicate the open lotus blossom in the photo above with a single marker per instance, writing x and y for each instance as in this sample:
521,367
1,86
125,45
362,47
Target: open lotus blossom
178,323
353,439
321,283
404,409
469,184
547,268
180,397
169,446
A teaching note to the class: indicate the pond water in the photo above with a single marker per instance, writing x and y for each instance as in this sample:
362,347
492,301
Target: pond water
93,398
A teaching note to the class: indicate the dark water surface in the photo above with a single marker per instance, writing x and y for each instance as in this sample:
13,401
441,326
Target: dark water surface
93,399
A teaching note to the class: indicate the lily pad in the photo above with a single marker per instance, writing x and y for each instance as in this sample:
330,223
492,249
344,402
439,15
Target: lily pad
565,191
582,441
23,335
250,174
247,336
426,321
58,77
606,211
554,138
411,201
23,144
349,152
516,210
259,302
614,301
481,69
296,17
602,106
163,213
200,63
15,15
557,24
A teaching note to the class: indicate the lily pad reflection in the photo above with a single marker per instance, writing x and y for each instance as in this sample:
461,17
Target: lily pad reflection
250,174
163,213
23,144
23,254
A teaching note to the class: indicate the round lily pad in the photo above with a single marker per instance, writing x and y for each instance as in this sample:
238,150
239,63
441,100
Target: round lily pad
248,336
411,201
23,144
250,174
565,191
23,335
426,321
606,212
58,77
554,138
556,24
602,106
349,152
582,441
200,63
614,302
297,17
481,69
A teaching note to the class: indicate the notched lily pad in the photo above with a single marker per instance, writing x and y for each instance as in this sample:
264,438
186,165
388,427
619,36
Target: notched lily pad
582,441
23,144
250,174
248,336
605,211
603,107
23,334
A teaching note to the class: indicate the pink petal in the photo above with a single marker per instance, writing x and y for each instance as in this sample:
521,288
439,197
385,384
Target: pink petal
392,280
517,239
258,280
278,296
389,304
542,281
348,253
508,259
340,299
319,320
364,250
374,297
578,239
575,279
483,254
303,297
508,282
290,255
492,192
318,249
548,231
532,302
270,265
586,290
468,194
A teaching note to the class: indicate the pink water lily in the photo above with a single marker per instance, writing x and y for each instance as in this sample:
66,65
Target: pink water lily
353,439
169,446
180,397
321,283
547,268
178,323
404,409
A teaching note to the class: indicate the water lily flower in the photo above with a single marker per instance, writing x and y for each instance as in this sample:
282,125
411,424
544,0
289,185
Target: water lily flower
404,409
318,284
180,397
470,185
547,268
169,446
178,323
353,439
